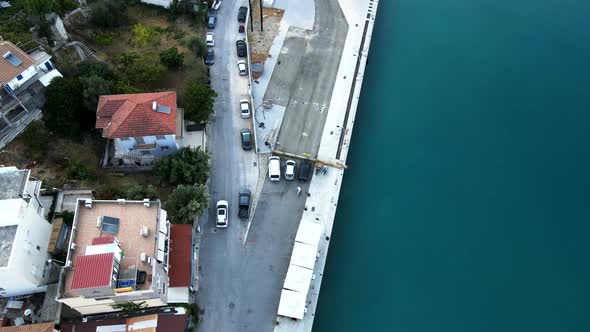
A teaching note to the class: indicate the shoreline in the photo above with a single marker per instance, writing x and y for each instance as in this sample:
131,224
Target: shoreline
334,145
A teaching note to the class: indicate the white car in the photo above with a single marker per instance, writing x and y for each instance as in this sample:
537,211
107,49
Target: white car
290,170
274,168
244,108
210,38
242,67
222,210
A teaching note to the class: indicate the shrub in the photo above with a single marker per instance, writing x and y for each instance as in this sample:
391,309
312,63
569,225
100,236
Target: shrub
64,112
105,38
186,202
171,58
137,192
93,87
78,170
187,166
36,138
140,70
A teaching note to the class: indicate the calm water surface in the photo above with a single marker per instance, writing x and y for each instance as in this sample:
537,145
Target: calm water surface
466,206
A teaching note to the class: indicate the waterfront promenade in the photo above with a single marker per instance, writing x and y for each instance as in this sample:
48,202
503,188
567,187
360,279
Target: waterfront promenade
321,204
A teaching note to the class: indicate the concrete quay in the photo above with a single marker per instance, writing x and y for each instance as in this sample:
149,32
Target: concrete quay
324,190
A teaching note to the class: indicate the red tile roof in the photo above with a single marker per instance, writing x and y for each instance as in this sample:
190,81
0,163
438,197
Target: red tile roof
166,323
132,115
103,240
181,248
42,327
93,271
7,70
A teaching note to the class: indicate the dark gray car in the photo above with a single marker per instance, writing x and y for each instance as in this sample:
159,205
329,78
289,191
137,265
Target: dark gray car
244,203
304,170
210,57
242,14
241,48
246,136
211,21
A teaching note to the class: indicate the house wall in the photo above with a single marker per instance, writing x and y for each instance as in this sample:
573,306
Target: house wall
178,295
27,271
43,67
27,74
128,145
161,3
86,306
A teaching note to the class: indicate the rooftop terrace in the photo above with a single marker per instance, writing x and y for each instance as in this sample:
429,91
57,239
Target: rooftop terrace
133,216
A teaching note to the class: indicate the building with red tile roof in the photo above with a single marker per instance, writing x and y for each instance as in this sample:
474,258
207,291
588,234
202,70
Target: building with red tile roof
180,270
141,127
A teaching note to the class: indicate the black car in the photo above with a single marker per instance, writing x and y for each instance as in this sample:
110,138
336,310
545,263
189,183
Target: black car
210,57
241,48
244,203
242,14
304,170
246,136
211,21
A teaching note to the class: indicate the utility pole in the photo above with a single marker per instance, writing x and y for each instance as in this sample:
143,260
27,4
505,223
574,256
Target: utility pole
250,12
261,23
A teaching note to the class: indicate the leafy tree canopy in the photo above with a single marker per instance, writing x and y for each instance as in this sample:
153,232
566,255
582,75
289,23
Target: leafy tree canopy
64,109
198,102
109,13
140,70
187,166
187,202
93,87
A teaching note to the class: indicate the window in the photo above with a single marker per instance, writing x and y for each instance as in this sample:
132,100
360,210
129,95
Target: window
145,152
124,138
139,140
19,77
164,147
48,65
160,137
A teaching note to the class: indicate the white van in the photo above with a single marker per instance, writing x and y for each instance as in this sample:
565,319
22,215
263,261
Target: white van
274,168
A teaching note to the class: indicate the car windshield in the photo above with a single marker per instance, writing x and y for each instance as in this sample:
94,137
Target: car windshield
246,136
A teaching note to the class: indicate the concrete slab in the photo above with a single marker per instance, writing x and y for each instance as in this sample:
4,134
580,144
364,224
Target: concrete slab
299,14
304,76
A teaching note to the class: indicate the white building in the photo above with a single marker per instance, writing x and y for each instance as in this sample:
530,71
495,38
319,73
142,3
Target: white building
141,126
118,252
161,3
18,68
24,234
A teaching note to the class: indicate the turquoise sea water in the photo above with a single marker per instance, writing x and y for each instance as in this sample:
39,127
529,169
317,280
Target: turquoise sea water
466,206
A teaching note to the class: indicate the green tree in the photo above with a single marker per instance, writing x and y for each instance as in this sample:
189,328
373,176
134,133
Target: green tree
144,35
187,202
186,166
36,138
100,69
198,102
37,7
140,70
64,109
93,87
171,58
109,13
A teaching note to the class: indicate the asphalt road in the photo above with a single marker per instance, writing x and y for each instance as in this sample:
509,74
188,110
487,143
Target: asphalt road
304,77
240,282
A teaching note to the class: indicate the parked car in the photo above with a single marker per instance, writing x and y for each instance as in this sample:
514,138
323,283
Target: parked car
210,57
241,48
242,14
244,203
274,168
210,39
304,170
211,21
246,136
290,170
242,67
244,108
222,209
241,28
